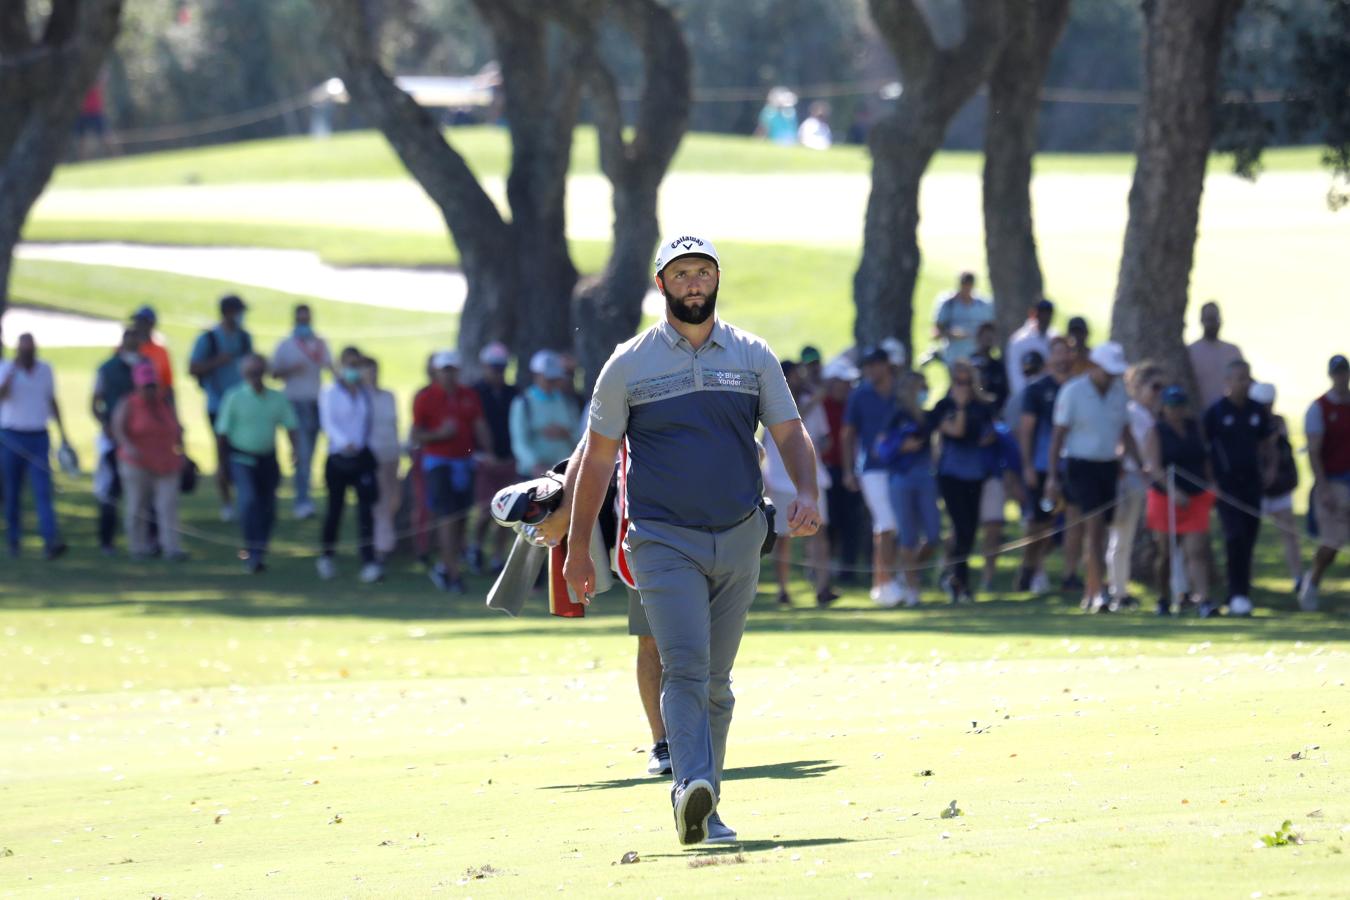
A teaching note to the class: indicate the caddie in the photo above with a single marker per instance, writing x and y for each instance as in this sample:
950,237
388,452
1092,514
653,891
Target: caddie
681,401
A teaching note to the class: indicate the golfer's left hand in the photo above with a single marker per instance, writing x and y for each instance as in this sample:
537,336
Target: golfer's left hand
803,517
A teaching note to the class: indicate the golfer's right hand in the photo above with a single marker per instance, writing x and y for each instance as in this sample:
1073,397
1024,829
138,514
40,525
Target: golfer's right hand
579,572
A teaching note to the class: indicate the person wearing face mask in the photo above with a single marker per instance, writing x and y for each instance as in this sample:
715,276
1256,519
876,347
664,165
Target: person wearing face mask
249,416
299,361
215,363
27,401
149,453
112,382
345,413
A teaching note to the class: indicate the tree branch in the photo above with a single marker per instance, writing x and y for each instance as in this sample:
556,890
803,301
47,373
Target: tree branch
470,214
906,29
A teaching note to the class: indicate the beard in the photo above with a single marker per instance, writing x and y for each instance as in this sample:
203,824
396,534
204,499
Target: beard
692,315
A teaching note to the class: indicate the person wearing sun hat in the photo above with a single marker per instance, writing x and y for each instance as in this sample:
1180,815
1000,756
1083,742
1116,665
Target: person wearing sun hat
1091,421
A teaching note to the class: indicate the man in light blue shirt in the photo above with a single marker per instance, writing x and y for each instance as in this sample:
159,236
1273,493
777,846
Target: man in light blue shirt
958,317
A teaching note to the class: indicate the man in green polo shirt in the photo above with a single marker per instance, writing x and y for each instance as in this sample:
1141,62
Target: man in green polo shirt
249,415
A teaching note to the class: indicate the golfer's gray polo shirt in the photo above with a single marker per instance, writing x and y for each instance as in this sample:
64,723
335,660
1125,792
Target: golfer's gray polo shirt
690,417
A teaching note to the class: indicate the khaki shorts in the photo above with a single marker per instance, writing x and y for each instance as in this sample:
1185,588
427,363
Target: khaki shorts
1333,526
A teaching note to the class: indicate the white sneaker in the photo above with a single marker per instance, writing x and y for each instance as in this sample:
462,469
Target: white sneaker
371,573
1040,584
226,513
327,567
1240,605
875,594
909,595
890,596
1307,594
304,511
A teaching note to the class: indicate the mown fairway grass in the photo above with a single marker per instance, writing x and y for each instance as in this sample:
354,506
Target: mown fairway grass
365,154
191,731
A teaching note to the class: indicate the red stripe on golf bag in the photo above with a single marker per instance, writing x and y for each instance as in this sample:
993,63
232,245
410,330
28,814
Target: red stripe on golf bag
560,602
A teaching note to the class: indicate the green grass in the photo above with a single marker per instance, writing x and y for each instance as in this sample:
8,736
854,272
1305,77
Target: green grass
365,154
810,310
183,730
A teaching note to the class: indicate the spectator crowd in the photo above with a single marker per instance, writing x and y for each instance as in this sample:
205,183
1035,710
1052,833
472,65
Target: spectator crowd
1061,446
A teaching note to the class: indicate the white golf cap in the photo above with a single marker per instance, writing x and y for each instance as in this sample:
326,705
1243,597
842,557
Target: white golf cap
685,245
1110,356
894,350
547,363
494,354
446,359
1262,392
841,369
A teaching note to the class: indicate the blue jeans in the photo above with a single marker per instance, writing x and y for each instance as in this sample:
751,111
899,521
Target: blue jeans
914,494
306,437
255,483
20,452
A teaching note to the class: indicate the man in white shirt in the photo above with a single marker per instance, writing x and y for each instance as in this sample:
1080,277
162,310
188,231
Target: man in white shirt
1091,422
345,415
299,362
1035,334
27,401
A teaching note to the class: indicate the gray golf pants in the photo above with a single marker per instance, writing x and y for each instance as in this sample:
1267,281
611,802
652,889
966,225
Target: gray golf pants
697,587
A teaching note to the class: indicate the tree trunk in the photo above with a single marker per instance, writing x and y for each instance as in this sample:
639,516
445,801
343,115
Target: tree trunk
608,309
541,88
42,84
1034,28
1183,43
483,239
936,82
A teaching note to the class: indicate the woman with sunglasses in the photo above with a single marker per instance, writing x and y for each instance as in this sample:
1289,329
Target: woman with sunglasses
1144,383
965,422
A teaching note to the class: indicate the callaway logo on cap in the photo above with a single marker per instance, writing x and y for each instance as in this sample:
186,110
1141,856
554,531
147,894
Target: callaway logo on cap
684,245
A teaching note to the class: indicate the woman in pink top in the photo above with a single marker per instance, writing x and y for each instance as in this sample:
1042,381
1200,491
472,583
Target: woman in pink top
150,459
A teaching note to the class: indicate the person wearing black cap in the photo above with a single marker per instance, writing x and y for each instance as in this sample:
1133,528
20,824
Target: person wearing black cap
215,363
1176,444
1327,425
143,322
1033,337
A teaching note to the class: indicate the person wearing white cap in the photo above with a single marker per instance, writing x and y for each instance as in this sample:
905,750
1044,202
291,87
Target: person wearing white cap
544,420
843,506
1091,422
682,400
497,466
447,421
1279,480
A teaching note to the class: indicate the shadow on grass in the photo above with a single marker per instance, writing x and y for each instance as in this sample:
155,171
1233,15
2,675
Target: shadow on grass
213,583
787,771
699,852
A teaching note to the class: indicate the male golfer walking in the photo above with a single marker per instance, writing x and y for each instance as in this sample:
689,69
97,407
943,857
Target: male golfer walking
683,400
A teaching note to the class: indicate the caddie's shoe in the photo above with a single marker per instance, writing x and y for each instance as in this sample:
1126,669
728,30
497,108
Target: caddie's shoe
694,803
658,761
719,832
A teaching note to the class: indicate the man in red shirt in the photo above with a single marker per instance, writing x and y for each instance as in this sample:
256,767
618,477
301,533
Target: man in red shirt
448,422
845,517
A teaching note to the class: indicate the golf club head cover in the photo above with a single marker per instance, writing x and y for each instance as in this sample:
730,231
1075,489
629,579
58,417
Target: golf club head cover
528,502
